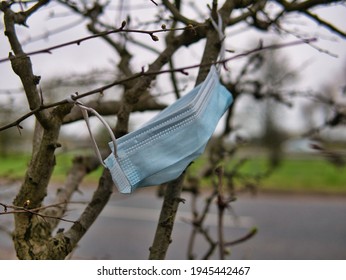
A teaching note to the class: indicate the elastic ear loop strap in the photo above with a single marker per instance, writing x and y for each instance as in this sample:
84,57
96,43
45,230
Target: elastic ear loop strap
85,110
218,28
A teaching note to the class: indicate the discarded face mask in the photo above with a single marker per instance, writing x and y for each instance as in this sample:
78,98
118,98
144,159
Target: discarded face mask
162,149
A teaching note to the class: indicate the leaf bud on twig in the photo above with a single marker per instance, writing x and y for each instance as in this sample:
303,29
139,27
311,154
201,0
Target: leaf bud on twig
154,37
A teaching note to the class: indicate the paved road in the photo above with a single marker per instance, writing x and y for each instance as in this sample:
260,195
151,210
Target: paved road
290,227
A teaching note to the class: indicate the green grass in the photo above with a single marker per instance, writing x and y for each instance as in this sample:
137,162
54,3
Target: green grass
296,174
301,175
14,167
63,164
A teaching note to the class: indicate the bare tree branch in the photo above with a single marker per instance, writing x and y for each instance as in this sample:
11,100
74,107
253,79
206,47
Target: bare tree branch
81,166
304,5
34,211
177,15
34,8
101,34
152,73
89,215
21,64
325,24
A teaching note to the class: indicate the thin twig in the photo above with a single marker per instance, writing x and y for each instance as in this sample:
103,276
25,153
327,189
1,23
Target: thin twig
182,70
101,34
52,32
249,235
326,24
221,209
34,211
154,2
198,227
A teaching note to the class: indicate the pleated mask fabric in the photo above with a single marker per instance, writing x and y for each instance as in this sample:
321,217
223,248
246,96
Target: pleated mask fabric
161,150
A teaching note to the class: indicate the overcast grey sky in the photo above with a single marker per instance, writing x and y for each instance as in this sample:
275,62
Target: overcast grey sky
319,68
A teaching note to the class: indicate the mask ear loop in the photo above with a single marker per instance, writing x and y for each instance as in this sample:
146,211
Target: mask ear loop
85,111
218,28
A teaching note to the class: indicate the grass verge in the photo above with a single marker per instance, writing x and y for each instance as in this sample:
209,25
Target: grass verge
295,174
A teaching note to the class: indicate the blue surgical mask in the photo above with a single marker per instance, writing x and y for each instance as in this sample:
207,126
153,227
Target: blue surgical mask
161,150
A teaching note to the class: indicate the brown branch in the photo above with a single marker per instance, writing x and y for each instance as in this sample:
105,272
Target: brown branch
34,8
338,118
21,64
34,211
109,108
124,54
42,162
63,243
100,198
303,5
132,94
66,101
319,49
154,2
164,229
172,195
173,191
52,32
153,73
249,235
81,166
198,227
101,34
221,206
325,24
177,15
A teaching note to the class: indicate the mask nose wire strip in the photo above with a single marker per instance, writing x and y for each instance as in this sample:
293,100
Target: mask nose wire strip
218,28
85,111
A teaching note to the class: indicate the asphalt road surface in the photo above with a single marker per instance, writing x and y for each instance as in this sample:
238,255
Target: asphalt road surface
289,227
